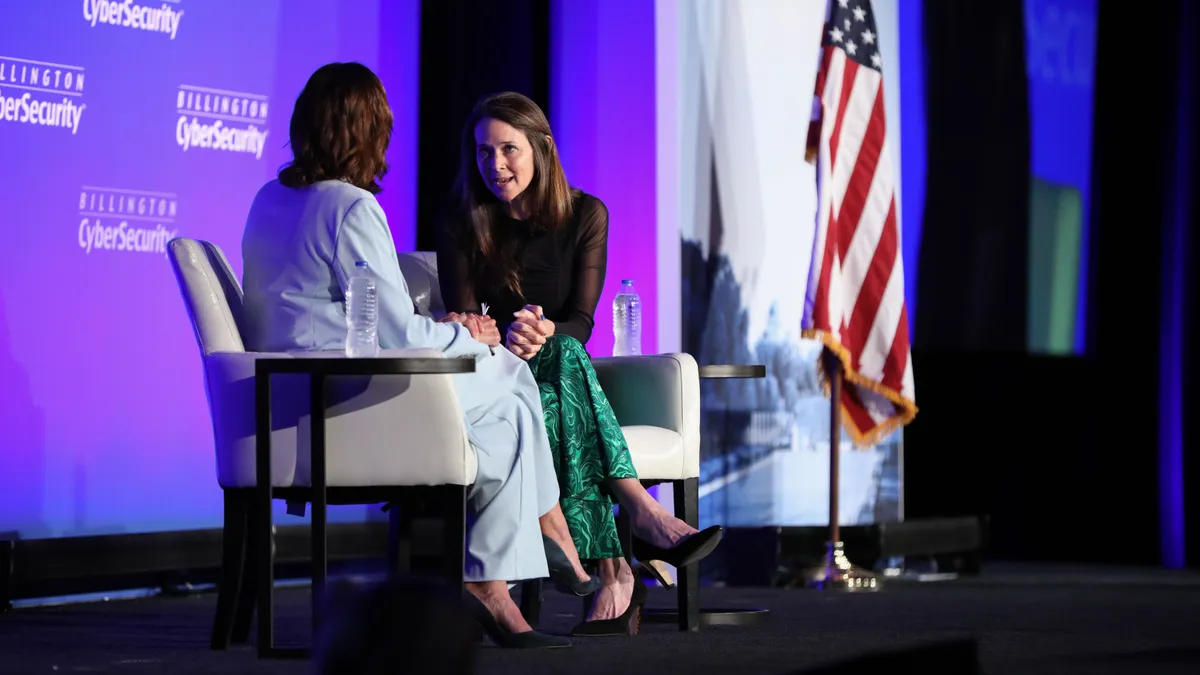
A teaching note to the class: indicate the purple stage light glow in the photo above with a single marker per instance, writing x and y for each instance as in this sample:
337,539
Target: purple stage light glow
912,140
602,110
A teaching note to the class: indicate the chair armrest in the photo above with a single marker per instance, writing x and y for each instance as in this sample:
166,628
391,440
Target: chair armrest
661,390
387,430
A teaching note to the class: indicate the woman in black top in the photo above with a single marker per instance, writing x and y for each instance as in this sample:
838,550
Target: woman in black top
519,239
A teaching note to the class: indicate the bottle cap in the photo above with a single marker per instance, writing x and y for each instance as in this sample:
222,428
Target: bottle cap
627,281
361,263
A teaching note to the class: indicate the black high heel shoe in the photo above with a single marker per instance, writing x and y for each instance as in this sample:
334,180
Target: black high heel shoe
562,573
659,575
629,623
686,552
505,638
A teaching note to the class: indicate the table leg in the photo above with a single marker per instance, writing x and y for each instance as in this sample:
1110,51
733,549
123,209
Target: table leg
688,613
264,537
316,446
264,527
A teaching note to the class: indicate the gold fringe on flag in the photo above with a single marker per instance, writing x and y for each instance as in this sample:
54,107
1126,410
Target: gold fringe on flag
906,409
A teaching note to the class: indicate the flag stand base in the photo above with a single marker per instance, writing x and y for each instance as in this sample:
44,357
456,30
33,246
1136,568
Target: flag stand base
837,573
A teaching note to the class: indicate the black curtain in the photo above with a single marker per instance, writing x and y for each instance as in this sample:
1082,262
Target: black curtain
969,328
972,283
1144,187
1189,78
1063,454
469,49
1133,146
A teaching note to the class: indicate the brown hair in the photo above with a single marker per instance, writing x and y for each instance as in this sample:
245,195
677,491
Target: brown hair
340,129
549,197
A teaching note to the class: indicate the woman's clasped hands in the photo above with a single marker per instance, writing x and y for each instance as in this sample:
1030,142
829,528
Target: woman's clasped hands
528,332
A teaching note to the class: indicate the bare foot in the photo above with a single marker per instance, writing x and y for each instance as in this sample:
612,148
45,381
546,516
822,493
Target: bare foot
494,595
554,525
655,526
613,597
651,522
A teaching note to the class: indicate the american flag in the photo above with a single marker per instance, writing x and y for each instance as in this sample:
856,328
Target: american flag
854,303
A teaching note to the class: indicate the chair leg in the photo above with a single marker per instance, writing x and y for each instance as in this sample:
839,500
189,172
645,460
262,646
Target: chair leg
244,614
6,574
454,535
531,601
687,509
625,534
231,587
400,523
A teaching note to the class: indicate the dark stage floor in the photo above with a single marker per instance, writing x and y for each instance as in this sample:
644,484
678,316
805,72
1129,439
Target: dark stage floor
1027,620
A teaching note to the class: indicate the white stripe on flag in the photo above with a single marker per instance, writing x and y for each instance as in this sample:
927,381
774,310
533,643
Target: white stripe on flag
883,330
854,128
870,226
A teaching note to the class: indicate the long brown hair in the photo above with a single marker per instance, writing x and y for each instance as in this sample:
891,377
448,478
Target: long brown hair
548,198
340,129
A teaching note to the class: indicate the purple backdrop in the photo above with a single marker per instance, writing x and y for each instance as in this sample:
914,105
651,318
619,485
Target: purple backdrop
122,125
602,97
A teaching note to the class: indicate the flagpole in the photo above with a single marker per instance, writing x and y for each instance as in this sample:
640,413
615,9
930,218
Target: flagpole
833,367
835,571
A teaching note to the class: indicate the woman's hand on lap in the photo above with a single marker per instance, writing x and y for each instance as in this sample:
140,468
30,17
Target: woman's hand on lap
523,340
521,351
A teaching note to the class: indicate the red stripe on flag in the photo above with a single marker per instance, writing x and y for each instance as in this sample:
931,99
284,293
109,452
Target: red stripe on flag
897,360
826,58
859,187
858,414
870,296
848,73
814,125
821,310
814,134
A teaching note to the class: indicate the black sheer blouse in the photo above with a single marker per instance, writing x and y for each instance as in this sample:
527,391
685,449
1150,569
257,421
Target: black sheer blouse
561,271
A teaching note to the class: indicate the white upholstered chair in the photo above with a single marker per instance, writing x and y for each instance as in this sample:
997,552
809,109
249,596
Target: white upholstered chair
656,398
364,463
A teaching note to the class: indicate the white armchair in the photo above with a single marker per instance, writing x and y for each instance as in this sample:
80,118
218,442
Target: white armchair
656,398
365,418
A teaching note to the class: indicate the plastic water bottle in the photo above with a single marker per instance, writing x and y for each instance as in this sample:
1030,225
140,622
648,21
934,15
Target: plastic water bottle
362,313
627,321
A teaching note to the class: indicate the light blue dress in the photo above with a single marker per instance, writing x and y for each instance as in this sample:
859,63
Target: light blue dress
298,249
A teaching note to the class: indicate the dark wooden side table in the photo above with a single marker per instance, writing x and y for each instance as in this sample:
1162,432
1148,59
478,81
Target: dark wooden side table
319,366
717,616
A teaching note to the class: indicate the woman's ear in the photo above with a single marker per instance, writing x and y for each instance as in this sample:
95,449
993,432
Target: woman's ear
550,142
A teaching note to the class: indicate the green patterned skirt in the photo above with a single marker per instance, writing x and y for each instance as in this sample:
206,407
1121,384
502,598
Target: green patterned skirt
586,442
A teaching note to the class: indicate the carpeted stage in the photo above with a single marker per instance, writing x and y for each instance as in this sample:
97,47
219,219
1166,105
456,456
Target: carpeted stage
1026,620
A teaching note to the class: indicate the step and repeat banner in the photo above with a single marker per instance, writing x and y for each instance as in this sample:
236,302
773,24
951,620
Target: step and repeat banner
124,123
735,90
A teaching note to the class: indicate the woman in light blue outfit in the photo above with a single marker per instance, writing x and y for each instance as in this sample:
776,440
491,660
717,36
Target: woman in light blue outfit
304,234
